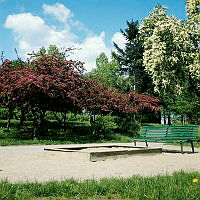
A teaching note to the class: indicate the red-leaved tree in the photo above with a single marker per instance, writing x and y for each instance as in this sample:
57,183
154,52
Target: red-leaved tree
40,84
96,98
48,83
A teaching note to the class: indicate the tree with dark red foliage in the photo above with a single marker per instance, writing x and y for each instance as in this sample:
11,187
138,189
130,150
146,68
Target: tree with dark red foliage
41,84
48,83
96,98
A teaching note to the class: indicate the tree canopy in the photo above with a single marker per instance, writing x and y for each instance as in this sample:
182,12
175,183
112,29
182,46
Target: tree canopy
130,59
168,51
107,73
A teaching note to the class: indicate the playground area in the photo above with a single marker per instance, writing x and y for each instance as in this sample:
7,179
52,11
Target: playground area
33,163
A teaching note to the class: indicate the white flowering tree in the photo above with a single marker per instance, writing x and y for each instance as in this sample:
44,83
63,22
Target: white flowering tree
193,12
171,52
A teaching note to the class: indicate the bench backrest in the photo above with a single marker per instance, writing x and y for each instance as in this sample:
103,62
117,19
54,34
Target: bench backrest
167,132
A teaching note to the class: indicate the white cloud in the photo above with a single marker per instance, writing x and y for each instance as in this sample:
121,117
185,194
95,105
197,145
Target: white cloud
64,15
21,22
119,39
90,49
59,11
32,32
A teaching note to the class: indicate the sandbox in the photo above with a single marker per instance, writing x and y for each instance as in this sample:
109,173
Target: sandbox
104,152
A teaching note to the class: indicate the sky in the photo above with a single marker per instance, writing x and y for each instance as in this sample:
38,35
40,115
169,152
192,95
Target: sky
90,26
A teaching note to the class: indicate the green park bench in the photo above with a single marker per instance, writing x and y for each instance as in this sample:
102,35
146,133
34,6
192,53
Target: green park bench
167,134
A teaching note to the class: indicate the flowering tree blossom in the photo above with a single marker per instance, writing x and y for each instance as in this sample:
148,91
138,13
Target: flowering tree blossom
170,53
193,12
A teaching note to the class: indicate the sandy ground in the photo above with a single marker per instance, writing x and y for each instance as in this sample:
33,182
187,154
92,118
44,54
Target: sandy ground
32,163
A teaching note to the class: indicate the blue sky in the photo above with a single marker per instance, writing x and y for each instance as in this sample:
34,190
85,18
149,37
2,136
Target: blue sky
89,25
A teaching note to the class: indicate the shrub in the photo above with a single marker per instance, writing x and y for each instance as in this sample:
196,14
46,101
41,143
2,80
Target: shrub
128,126
104,126
77,117
4,114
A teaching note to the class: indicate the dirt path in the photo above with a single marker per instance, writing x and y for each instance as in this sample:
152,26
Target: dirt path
32,163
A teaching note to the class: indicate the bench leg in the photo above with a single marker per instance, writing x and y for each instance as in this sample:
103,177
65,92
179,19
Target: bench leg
192,145
146,144
181,147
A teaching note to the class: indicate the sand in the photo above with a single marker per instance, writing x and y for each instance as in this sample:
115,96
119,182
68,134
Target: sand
32,163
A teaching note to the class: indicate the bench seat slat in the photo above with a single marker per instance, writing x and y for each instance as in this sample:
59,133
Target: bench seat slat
168,136
164,127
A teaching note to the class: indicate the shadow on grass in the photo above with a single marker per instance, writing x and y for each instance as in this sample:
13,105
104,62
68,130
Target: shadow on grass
76,135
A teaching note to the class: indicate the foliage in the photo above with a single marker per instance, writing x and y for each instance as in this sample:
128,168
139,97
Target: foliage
104,126
187,104
4,114
128,126
171,57
51,50
169,51
130,59
193,12
41,84
179,185
79,133
101,100
107,73
47,81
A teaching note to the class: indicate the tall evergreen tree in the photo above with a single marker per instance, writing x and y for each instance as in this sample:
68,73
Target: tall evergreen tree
130,59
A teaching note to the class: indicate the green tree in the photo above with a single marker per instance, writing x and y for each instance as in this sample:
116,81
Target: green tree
130,59
193,12
107,73
52,49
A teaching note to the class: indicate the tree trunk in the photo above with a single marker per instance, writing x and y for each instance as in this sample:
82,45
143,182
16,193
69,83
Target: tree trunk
164,118
182,119
58,120
169,119
22,118
10,117
65,117
35,124
92,123
43,126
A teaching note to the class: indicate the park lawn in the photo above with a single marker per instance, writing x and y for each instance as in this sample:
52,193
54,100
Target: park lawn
12,137
180,185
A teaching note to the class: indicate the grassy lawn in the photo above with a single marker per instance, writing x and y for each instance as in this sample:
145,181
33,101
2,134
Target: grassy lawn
13,137
181,185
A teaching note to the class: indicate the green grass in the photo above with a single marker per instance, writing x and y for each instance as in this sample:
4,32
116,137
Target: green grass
9,142
178,186
18,137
